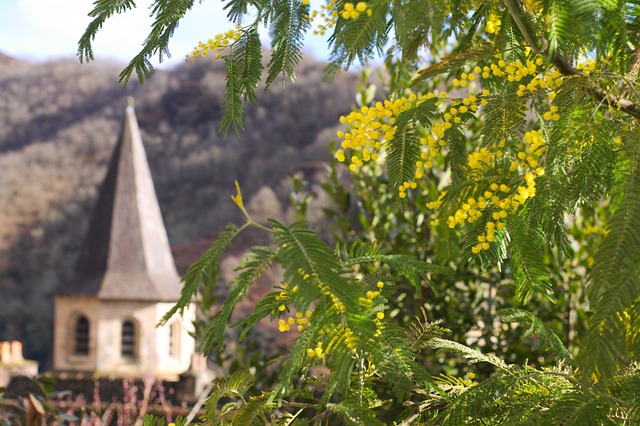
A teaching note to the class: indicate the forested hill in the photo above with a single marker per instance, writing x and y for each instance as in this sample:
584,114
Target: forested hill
58,123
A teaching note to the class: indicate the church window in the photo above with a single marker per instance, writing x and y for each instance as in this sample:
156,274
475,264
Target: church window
128,341
174,339
81,346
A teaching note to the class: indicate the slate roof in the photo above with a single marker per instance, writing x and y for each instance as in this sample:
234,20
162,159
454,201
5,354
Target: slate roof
126,254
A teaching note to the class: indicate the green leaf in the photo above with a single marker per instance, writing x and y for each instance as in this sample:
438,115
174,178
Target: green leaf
247,52
244,72
232,105
252,267
354,413
203,271
290,23
472,355
614,282
102,10
359,38
167,15
530,272
454,62
546,340
302,250
234,386
404,150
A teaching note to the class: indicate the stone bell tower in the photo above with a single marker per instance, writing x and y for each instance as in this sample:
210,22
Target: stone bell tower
106,318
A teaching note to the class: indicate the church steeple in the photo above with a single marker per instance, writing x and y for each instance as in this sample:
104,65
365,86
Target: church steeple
126,254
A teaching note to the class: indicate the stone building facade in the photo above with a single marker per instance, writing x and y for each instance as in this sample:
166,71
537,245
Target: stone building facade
105,319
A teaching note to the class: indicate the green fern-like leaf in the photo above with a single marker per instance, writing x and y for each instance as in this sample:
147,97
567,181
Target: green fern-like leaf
470,354
267,306
472,403
559,24
546,339
626,386
396,358
244,71
517,396
232,105
252,267
454,62
167,15
577,409
415,270
342,364
359,252
102,10
290,23
457,157
504,119
530,273
248,53
236,9
234,386
253,412
614,285
204,271
353,413
359,38
302,250
405,148
421,330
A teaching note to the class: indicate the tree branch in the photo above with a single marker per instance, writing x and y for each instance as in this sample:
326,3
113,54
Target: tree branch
540,45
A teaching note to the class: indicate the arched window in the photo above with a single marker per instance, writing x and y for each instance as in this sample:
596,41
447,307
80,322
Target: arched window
174,339
81,346
128,341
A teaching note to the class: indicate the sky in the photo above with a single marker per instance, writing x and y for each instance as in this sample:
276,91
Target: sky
46,29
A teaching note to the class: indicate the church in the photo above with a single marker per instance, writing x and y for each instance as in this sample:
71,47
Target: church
106,318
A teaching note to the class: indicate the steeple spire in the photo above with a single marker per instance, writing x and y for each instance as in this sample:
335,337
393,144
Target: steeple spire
126,255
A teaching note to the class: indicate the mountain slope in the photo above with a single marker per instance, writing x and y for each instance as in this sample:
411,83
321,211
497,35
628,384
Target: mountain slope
58,124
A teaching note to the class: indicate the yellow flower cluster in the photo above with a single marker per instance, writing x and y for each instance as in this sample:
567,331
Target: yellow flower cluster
285,294
434,205
368,301
499,197
517,70
588,230
218,44
351,11
492,26
318,352
301,320
337,304
371,369
532,5
372,129
328,14
345,333
586,65
481,160
459,110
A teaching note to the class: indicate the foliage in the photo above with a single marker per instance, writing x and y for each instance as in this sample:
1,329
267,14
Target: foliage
59,121
494,166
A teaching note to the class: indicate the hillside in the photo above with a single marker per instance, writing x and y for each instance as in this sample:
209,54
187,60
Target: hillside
58,124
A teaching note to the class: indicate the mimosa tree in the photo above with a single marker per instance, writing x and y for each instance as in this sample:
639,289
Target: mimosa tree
506,152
